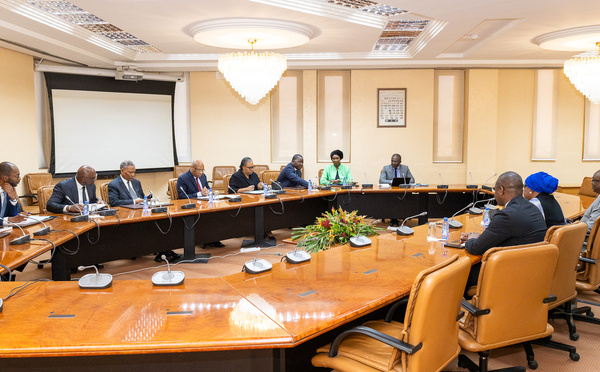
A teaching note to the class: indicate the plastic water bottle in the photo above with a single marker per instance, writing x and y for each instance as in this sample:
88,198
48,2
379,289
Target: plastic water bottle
445,229
486,217
86,208
145,210
345,182
265,189
309,185
211,198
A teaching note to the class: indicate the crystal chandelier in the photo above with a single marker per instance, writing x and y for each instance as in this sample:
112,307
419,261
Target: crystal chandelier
251,74
584,73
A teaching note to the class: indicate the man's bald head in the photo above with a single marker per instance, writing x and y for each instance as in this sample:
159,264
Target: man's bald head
508,186
86,175
197,168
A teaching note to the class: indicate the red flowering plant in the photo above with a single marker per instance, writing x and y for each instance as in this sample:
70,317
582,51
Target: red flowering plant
335,227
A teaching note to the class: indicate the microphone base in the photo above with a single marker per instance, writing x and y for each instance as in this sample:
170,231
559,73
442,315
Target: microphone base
453,224
277,192
404,230
20,240
164,278
42,231
297,256
159,210
79,218
442,186
188,206
325,188
235,199
95,281
475,210
359,241
270,196
108,212
346,187
472,187
488,188
257,266
367,185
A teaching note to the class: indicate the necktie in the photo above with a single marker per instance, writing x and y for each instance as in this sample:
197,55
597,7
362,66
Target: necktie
337,174
83,195
131,190
199,186
397,173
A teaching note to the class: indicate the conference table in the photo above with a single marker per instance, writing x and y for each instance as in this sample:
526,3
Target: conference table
261,320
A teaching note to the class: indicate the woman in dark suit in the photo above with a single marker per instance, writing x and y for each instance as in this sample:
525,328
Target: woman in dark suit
245,179
538,190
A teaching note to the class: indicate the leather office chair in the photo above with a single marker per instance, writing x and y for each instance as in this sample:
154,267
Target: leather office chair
282,166
32,182
320,174
426,341
510,305
174,194
44,193
259,168
217,177
178,170
104,192
226,179
268,175
588,276
586,188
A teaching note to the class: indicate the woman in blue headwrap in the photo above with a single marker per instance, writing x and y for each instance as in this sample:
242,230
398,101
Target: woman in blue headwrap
538,189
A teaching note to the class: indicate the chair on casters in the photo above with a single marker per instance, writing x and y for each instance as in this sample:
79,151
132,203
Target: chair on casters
43,194
104,192
217,177
267,175
32,182
426,341
588,276
503,310
226,179
174,193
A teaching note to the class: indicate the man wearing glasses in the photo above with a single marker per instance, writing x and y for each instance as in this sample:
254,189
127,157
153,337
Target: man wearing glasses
193,182
9,205
593,212
79,189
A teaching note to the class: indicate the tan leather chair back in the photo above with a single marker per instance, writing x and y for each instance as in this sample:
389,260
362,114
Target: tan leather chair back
513,283
586,188
259,168
178,170
588,278
104,192
44,193
283,166
569,240
320,174
173,189
268,175
431,315
33,181
217,176
226,179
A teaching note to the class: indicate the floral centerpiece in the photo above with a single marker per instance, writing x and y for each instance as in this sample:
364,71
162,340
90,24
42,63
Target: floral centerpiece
335,227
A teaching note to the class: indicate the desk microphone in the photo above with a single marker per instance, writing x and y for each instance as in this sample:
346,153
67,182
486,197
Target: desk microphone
158,209
21,239
167,278
360,240
443,185
82,217
471,186
94,281
280,190
457,224
257,266
405,230
190,205
367,185
476,210
488,188
298,255
107,212
323,187
236,198
43,231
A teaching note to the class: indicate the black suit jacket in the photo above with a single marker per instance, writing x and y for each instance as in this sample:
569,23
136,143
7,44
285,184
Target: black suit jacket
68,187
291,177
118,193
187,181
552,210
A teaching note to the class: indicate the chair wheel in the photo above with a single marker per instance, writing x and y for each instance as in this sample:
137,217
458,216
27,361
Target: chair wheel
589,313
574,356
40,266
532,364
574,336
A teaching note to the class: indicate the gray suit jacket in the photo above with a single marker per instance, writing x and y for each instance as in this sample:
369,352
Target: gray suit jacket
118,193
387,174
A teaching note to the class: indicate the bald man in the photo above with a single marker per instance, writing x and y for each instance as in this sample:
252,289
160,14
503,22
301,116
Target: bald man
79,189
193,182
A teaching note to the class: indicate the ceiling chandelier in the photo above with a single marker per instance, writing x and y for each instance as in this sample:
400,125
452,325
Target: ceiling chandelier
252,74
584,73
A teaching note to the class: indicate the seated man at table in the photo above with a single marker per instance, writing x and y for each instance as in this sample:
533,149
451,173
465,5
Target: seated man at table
125,189
395,170
193,182
593,211
291,175
520,222
9,205
69,195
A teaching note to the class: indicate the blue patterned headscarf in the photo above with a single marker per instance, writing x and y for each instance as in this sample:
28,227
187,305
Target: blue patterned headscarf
542,182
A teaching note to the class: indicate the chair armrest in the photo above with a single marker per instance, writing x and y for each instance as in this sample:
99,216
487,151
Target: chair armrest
460,315
370,332
34,196
588,260
392,310
550,298
472,309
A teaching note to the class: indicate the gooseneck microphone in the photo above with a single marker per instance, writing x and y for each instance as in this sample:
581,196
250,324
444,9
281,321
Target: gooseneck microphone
360,240
443,185
21,239
367,185
457,224
488,188
298,255
236,198
43,231
476,210
94,281
259,265
167,278
159,208
190,205
82,217
280,190
106,212
472,185
405,230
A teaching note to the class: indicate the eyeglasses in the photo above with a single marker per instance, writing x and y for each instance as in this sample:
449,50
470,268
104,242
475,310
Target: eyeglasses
251,168
199,170
593,180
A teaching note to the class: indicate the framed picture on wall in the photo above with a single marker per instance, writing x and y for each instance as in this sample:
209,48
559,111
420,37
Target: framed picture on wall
391,107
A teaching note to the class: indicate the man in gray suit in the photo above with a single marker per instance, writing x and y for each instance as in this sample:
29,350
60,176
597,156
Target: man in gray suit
395,170
125,189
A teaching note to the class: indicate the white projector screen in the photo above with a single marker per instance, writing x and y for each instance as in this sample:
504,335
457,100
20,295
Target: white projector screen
101,129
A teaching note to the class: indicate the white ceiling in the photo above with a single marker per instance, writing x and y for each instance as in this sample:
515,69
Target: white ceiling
505,33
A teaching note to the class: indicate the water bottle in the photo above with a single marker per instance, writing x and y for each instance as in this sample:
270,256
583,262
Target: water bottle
309,185
145,210
86,208
445,229
345,182
211,198
265,189
486,217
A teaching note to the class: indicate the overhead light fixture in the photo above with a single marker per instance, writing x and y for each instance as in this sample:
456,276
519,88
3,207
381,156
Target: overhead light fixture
252,74
584,73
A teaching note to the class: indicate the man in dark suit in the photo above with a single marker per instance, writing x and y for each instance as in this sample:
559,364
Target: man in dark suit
9,205
520,222
193,182
125,189
79,189
291,175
